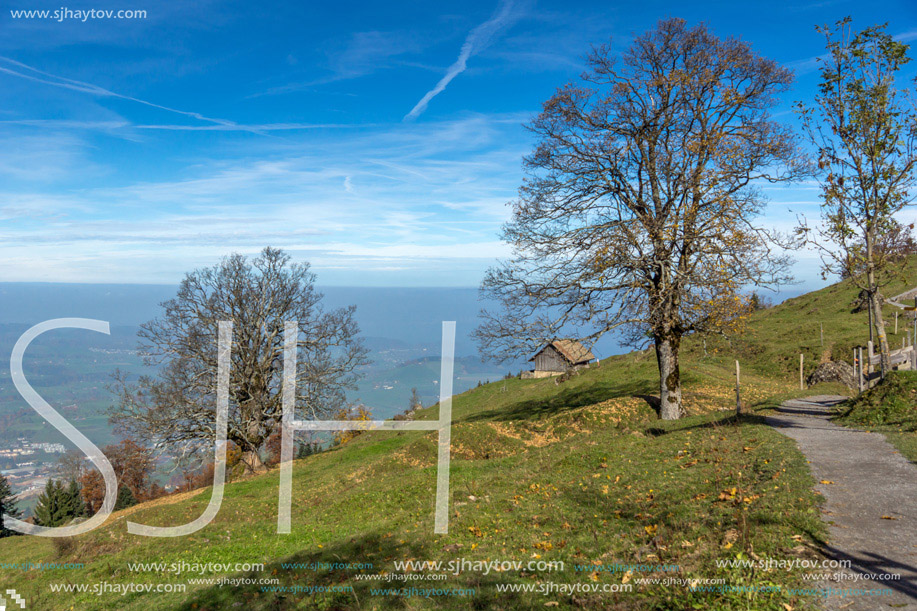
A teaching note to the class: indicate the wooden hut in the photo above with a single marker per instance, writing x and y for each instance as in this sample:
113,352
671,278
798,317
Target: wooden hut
559,356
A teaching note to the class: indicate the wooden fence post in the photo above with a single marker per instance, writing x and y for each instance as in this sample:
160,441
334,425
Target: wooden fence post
896,323
821,333
801,386
856,364
738,392
860,373
870,354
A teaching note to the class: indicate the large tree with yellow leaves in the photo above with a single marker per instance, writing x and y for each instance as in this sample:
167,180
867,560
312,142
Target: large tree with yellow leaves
640,199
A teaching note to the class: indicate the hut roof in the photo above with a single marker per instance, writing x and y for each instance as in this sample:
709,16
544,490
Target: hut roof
570,349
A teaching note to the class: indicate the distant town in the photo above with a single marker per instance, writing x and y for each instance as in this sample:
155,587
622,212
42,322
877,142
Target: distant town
25,468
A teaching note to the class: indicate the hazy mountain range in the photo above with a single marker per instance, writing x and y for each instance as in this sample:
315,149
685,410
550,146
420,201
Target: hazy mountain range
71,368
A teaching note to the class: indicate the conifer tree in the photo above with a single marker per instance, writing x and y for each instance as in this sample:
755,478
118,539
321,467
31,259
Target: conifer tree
7,506
59,504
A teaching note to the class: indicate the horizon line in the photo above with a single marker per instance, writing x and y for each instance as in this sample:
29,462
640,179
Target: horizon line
163,284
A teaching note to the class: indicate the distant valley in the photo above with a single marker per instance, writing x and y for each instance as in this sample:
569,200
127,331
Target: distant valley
71,369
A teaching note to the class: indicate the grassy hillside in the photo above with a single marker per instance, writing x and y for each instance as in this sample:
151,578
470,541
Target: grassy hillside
539,472
580,472
776,336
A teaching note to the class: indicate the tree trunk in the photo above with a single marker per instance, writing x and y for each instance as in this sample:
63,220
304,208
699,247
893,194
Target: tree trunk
879,321
253,463
669,377
875,306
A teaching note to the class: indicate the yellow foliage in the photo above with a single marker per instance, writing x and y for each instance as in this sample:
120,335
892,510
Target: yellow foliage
356,414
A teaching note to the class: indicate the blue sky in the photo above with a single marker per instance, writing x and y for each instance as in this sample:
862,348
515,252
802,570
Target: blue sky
379,141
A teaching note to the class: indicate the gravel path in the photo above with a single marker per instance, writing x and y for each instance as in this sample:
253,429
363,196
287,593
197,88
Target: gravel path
871,482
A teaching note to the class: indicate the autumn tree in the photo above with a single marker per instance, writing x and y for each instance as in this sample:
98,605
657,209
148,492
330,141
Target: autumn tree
92,490
177,409
864,130
639,205
133,465
273,447
357,413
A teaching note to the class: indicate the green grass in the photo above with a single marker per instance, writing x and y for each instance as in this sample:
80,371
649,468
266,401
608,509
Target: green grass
581,472
776,336
890,407
892,403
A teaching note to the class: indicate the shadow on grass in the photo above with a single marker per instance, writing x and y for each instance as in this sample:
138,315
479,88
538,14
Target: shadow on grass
570,399
320,579
702,422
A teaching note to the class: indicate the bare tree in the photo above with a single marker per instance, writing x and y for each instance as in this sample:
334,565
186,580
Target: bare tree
865,131
71,466
177,409
639,203
415,402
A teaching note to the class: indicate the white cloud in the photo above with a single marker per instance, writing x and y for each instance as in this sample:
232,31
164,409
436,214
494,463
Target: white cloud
364,53
477,40
415,197
487,250
24,71
44,158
